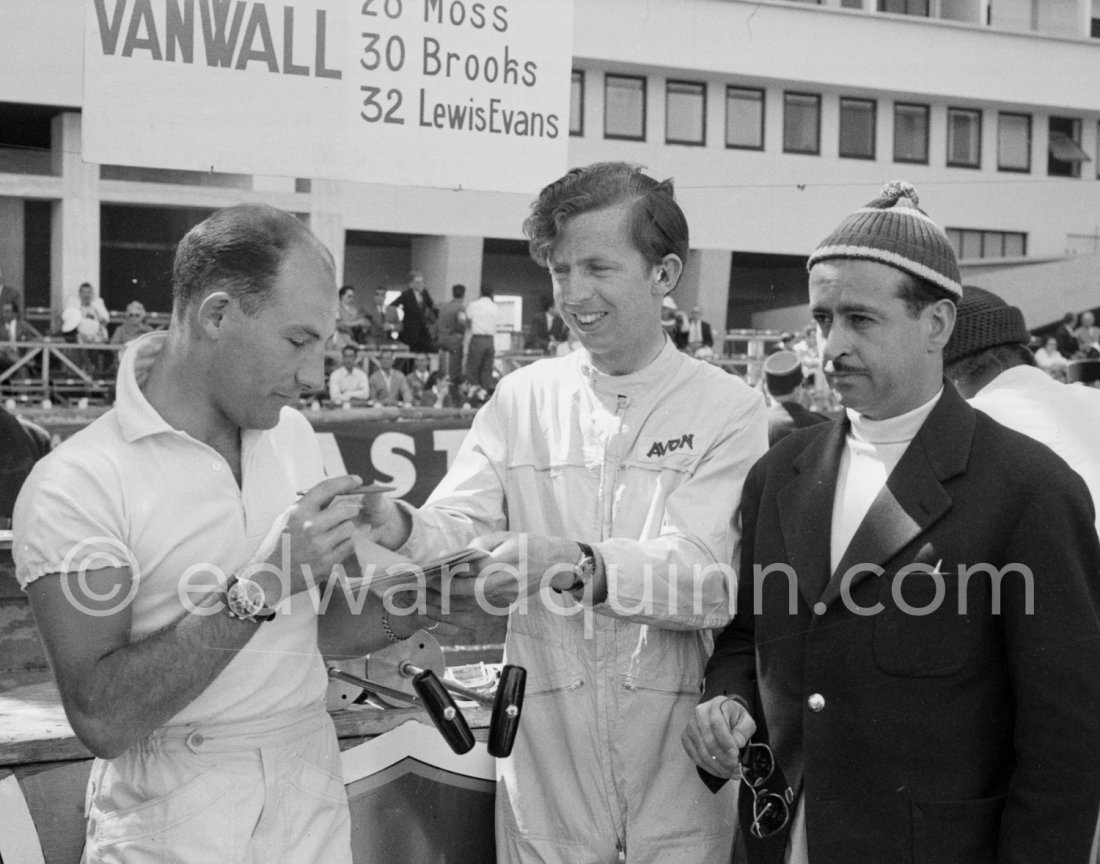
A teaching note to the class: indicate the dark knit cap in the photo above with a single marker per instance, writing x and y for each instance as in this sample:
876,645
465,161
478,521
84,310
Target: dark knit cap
893,230
984,321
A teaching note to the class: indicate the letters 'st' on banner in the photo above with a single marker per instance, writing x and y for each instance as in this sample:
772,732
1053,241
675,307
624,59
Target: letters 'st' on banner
447,93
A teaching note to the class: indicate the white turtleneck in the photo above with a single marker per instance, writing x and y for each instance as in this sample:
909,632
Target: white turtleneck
872,449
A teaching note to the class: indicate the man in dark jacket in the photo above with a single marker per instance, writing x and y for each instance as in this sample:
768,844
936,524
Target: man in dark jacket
418,315
917,638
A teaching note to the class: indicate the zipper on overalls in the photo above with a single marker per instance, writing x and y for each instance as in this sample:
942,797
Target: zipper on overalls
621,403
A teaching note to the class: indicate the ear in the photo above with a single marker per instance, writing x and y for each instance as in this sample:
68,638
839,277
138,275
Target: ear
667,274
941,321
212,313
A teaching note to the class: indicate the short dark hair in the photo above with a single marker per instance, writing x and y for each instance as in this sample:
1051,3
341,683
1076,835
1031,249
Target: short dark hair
344,289
486,290
239,250
458,291
350,348
657,225
918,294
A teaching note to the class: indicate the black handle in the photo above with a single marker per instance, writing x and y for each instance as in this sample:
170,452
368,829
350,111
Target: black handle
506,710
443,711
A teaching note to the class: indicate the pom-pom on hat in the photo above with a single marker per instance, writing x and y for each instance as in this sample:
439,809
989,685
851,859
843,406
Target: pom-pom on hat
984,321
893,230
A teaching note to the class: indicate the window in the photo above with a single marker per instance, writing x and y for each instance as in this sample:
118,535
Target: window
971,243
964,138
851,4
624,107
685,113
1064,156
904,7
857,128
911,133
801,123
744,118
1013,142
576,104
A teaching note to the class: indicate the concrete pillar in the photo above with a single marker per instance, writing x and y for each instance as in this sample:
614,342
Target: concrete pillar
74,240
326,220
446,261
706,281
12,228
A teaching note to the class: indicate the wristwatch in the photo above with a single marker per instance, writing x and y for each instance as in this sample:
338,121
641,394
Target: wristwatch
583,571
245,600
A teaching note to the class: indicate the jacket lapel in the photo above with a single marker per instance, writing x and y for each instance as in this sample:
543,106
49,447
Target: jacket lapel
913,498
806,510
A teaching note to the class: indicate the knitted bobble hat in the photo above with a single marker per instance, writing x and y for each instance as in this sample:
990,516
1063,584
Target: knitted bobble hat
893,230
984,321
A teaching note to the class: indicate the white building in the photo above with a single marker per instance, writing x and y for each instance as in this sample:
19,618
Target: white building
775,117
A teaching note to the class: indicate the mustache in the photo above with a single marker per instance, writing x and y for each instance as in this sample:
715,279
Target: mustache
839,367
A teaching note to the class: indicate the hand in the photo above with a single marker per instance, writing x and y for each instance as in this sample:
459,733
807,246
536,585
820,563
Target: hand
385,523
518,565
717,733
308,539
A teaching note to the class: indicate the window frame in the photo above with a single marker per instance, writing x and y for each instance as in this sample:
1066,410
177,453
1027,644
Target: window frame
873,103
763,114
607,79
577,76
985,237
678,82
816,97
976,113
926,14
927,111
1075,171
1028,144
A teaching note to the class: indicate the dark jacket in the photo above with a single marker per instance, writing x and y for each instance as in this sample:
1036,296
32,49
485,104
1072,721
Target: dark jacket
540,336
940,737
417,322
785,417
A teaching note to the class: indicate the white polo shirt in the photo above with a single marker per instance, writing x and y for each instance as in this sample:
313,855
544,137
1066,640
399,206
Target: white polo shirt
483,314
129,487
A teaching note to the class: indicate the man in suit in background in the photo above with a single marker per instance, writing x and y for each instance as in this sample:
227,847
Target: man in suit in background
548,329
695,335
1066,336
917,637
783,380
418,315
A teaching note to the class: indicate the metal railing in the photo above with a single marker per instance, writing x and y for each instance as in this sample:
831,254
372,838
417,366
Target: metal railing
60,372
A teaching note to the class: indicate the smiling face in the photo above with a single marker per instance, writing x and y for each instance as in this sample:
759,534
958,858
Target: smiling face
879,358
263,361
608,293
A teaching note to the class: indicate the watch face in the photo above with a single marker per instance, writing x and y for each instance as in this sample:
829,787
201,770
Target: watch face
245,597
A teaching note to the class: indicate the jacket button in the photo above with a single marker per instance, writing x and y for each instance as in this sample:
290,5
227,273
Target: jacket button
816,702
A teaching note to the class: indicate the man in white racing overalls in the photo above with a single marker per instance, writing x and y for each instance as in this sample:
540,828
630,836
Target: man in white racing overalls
604,484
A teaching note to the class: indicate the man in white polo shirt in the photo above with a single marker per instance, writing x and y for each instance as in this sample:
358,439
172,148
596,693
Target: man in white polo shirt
482,314
203,695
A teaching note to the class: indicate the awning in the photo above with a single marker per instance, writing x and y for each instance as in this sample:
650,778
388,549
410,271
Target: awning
1065,149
